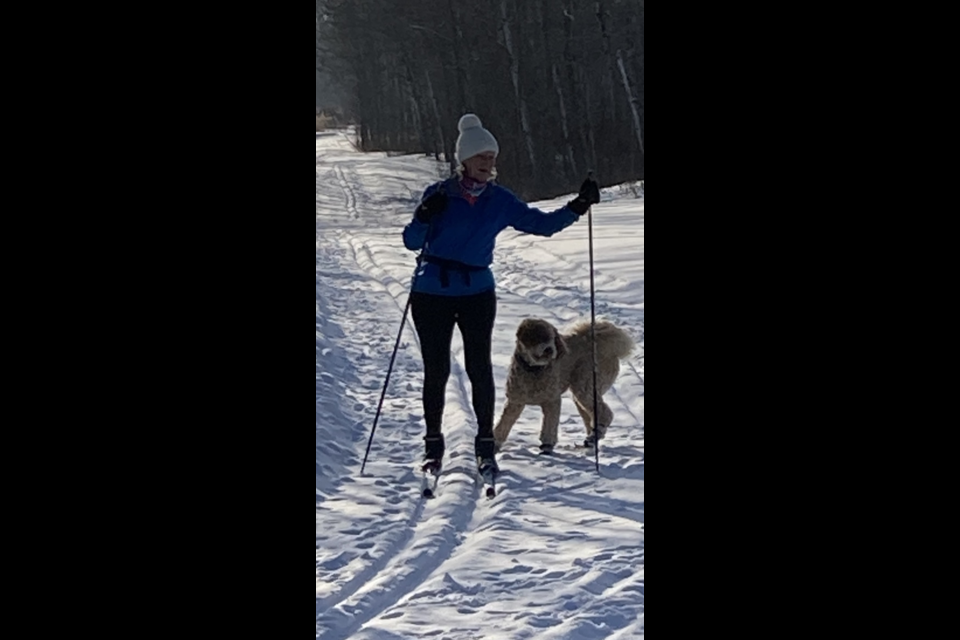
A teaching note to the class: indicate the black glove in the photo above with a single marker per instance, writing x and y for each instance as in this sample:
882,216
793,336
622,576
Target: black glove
589,195
432,206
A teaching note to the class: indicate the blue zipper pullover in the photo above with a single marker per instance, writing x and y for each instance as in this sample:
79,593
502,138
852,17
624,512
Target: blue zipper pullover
466,233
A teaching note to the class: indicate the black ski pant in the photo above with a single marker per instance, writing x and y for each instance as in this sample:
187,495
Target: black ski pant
434,317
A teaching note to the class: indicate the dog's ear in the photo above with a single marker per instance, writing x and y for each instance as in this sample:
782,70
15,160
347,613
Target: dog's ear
560,345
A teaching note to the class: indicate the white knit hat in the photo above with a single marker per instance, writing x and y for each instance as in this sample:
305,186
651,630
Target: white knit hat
474,138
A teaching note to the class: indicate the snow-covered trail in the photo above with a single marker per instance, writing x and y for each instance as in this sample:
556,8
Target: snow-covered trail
559,552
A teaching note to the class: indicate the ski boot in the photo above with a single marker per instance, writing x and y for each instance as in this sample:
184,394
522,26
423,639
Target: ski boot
433,454
432,463
487,464
546,449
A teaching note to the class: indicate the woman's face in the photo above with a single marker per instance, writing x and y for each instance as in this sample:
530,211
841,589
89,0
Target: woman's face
480,167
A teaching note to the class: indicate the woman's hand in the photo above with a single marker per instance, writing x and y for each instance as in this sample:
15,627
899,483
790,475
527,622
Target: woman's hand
590,191
434,205
589,195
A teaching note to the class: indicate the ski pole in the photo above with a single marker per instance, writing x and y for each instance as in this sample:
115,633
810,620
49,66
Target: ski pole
593,338
396,345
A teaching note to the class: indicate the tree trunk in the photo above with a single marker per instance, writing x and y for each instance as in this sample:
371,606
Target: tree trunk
563,122
577,89
515,77
587,133
462,79
436,114
418,104
611,125
631,100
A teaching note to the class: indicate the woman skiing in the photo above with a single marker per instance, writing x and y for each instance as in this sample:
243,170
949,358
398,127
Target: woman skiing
455,229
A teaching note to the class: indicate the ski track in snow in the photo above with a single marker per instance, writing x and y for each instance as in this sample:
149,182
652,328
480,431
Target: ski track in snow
351,199
559,552
357,601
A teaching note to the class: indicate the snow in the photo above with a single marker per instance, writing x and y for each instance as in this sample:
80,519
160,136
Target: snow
559,552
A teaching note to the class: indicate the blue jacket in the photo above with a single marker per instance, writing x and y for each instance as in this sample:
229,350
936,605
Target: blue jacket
466,233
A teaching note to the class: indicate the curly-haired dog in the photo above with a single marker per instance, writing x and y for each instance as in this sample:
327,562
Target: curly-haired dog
545,364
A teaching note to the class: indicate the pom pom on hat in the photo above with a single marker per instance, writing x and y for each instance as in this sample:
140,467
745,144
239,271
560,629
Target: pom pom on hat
469,121
474,138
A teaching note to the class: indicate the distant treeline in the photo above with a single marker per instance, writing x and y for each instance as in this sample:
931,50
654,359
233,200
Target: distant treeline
558,82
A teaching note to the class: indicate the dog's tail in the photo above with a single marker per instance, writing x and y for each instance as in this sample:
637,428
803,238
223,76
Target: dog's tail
612,341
